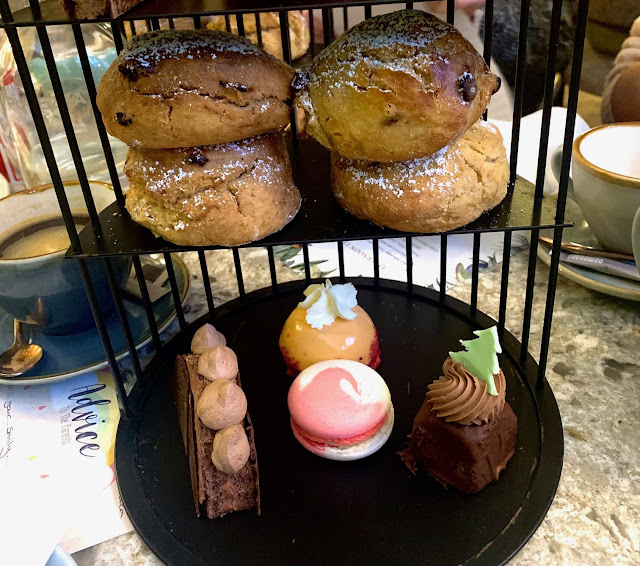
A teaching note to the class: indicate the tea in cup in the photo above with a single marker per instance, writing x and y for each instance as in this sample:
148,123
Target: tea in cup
38,285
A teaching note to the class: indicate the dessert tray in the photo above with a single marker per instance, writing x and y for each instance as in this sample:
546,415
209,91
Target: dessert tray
317,511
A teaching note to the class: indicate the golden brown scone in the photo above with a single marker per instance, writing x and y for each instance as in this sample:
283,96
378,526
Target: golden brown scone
222,195
180,88
395,87
299,36
432,194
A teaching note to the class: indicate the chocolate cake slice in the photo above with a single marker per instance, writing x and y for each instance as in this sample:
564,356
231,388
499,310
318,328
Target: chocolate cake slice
465,457
465,432
215,493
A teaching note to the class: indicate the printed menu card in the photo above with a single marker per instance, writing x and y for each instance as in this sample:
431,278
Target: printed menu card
57,478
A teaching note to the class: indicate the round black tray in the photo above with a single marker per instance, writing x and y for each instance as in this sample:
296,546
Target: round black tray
317,511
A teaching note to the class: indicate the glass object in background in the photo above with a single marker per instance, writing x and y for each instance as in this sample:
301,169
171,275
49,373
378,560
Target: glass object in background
16,123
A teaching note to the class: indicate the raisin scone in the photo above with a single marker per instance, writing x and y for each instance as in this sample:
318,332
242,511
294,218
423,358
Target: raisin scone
225,195
395,87
182,88
437,193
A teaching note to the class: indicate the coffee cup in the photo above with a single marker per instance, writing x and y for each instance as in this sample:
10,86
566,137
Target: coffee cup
606,183
38,285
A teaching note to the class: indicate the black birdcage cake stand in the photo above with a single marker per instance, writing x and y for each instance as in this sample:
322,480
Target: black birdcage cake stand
316,511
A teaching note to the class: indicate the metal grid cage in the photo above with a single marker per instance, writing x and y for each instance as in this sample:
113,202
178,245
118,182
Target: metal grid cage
525,207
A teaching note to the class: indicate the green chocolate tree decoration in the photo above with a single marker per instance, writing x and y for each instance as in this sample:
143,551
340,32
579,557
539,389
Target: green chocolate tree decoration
480,356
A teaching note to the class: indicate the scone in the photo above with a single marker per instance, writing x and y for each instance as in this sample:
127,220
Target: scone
299,36
437,193
395,87
223,195
182,88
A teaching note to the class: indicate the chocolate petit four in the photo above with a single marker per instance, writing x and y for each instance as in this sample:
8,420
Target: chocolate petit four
216,427
465,431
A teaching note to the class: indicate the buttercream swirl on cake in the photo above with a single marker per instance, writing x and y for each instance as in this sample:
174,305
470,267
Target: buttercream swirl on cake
460,397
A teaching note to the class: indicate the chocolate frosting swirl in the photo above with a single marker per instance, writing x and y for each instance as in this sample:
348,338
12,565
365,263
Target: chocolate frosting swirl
460,397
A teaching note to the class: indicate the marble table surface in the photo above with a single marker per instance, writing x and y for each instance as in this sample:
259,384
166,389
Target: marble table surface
594,370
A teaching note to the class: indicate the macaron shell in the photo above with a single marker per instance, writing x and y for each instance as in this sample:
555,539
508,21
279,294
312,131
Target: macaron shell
338,399
354,452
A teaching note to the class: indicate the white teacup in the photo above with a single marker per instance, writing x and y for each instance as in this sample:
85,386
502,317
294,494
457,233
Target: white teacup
606,183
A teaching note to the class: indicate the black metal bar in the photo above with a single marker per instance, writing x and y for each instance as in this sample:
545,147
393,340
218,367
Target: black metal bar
367,12
206,281
475,271
148,306
327,25
409,256
104,336
286,55
529,294
549,80
116,293
155,24
259,30
345,18
443,267
312,33
376,259
519,88
488,31
121,29
307,264
227,22
132,28
451,8
238,266
69,131
504,282
172,24
272,269
36,112
572,108
149,25
341,261
488,35
554,34
102,132
117,38
174,290
409,5
240,24
197,22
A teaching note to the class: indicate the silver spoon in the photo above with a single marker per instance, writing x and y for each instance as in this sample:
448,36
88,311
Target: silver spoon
21,357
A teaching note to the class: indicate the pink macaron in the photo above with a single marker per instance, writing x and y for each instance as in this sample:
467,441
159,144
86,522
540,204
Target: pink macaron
340,410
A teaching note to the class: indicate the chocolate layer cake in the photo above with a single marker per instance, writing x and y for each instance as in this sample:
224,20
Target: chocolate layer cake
466,457
215,493
465,431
